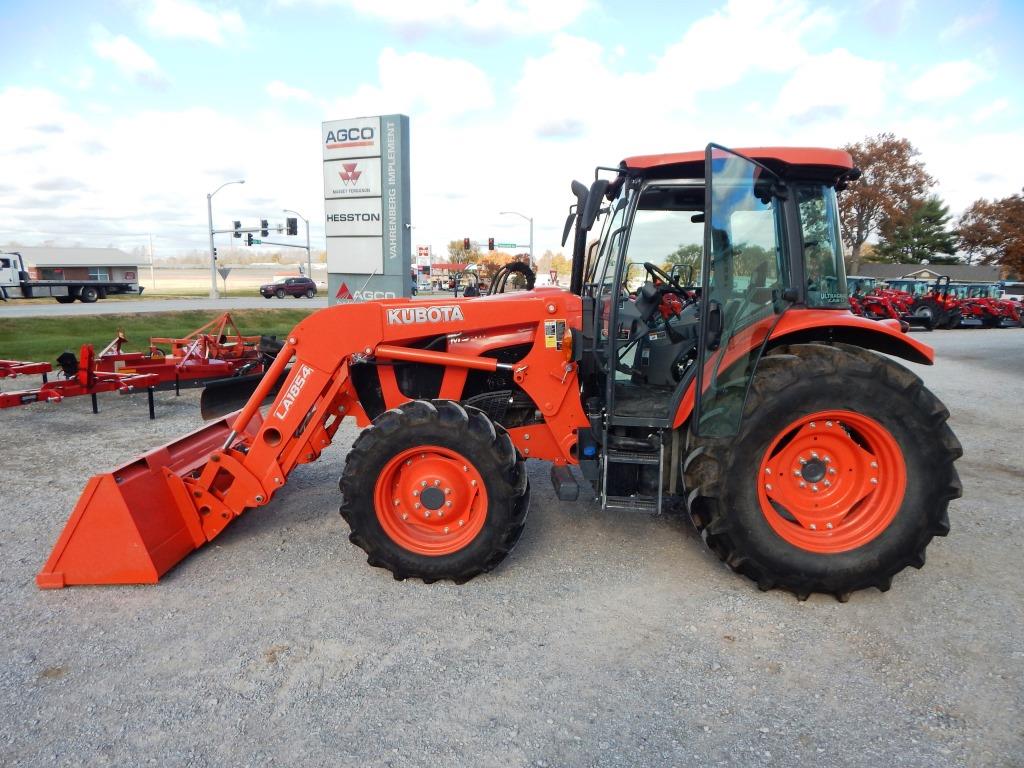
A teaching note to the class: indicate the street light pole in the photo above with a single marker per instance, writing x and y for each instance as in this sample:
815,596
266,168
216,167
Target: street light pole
529,219
214,293
309,258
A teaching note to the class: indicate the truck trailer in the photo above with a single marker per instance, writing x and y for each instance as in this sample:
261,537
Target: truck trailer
17,283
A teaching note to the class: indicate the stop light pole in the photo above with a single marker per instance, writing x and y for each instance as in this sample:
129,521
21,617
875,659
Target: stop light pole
529,219
309,258
214,293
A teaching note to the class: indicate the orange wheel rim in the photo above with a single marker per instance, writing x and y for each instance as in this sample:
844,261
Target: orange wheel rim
431,500
832,481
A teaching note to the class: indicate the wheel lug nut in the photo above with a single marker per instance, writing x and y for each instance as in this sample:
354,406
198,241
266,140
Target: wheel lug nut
447,503
827,484
874,465
796,473
814,455
803,460
415,493
416,505
446,529
768,486
397,502
408,462
828,423
423,483
829,526
813,425
803,484
472,482
447,491
831,470
405,515
767,470
437,482
813,527
461,523
874,481
827,459
814,488
465,468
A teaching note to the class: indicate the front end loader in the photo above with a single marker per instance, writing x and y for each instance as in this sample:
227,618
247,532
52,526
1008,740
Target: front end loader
704,358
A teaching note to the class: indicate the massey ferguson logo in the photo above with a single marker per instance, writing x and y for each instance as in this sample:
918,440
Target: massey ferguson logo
293,391
350,175
410,315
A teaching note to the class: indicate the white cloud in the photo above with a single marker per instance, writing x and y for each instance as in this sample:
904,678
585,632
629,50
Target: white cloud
945,82
284,92
418,83
963,24
833,86
509,16
190,21
988,111
128,56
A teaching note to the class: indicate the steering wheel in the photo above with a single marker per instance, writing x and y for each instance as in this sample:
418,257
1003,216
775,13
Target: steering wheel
657,272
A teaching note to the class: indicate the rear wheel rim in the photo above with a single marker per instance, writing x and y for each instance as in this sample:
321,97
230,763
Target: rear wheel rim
430,500
831,481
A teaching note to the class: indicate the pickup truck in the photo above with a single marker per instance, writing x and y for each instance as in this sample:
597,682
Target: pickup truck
16,283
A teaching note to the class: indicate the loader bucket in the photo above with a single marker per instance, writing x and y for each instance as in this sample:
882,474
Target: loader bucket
134,524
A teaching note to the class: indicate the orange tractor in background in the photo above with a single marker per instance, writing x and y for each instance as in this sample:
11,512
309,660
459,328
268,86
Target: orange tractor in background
752,397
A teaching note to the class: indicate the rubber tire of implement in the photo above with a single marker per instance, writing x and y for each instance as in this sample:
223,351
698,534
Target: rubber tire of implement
465,430
802,379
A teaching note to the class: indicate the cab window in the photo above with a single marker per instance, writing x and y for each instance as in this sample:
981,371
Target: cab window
822,247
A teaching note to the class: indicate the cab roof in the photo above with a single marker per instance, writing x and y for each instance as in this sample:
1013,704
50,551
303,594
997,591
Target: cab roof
779,159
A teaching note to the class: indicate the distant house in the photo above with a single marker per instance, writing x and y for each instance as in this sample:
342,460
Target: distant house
80,264
961,273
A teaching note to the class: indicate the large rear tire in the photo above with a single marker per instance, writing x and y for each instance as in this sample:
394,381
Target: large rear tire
841,474
434,490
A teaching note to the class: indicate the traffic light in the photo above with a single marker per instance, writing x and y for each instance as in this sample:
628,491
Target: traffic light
264,229
490,243
291,226
465,243
248,239
215,253
238,226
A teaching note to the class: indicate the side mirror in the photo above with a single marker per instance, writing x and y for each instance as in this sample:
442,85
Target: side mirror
568,224
592,205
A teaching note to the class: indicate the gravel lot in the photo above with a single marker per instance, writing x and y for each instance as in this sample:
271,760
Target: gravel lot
605,639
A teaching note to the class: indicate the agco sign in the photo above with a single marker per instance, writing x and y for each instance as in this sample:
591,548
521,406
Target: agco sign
344,138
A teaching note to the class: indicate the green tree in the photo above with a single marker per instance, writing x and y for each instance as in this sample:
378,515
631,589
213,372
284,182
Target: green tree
920,233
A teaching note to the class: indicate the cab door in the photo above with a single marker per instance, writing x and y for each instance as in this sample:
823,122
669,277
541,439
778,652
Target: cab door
742,284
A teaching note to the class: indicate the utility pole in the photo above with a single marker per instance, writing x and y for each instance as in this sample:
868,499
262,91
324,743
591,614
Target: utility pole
152,274
214,293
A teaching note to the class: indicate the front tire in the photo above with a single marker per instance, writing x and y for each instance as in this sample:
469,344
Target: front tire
434,490
89,295
310,293
279,293
836,414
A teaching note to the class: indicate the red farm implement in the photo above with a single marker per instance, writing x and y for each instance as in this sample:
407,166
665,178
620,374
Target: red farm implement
215,351
10,369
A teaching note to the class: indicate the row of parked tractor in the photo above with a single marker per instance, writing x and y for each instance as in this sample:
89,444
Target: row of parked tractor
935,304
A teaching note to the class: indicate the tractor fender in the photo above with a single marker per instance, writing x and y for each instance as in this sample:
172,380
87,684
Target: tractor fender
823,325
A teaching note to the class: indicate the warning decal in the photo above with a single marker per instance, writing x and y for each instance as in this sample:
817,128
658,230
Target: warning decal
554,332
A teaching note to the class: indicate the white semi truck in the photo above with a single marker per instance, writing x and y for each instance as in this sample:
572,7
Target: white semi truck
17,283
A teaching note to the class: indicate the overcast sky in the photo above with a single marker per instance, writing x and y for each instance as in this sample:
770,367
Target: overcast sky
116,118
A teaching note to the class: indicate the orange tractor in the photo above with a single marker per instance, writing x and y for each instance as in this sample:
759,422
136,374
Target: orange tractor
751,396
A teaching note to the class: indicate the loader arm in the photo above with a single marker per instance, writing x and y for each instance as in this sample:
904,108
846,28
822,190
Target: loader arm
134,524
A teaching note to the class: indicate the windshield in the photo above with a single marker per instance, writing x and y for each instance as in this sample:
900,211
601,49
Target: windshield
823,249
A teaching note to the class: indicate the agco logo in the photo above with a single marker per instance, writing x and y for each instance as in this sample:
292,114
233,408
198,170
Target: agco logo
410,315
293,391
344,294
344,138
350,175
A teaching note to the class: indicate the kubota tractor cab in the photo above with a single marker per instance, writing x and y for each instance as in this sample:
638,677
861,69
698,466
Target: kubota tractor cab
703,357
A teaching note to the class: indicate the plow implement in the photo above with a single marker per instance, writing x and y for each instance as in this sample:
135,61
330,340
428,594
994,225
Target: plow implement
10,369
